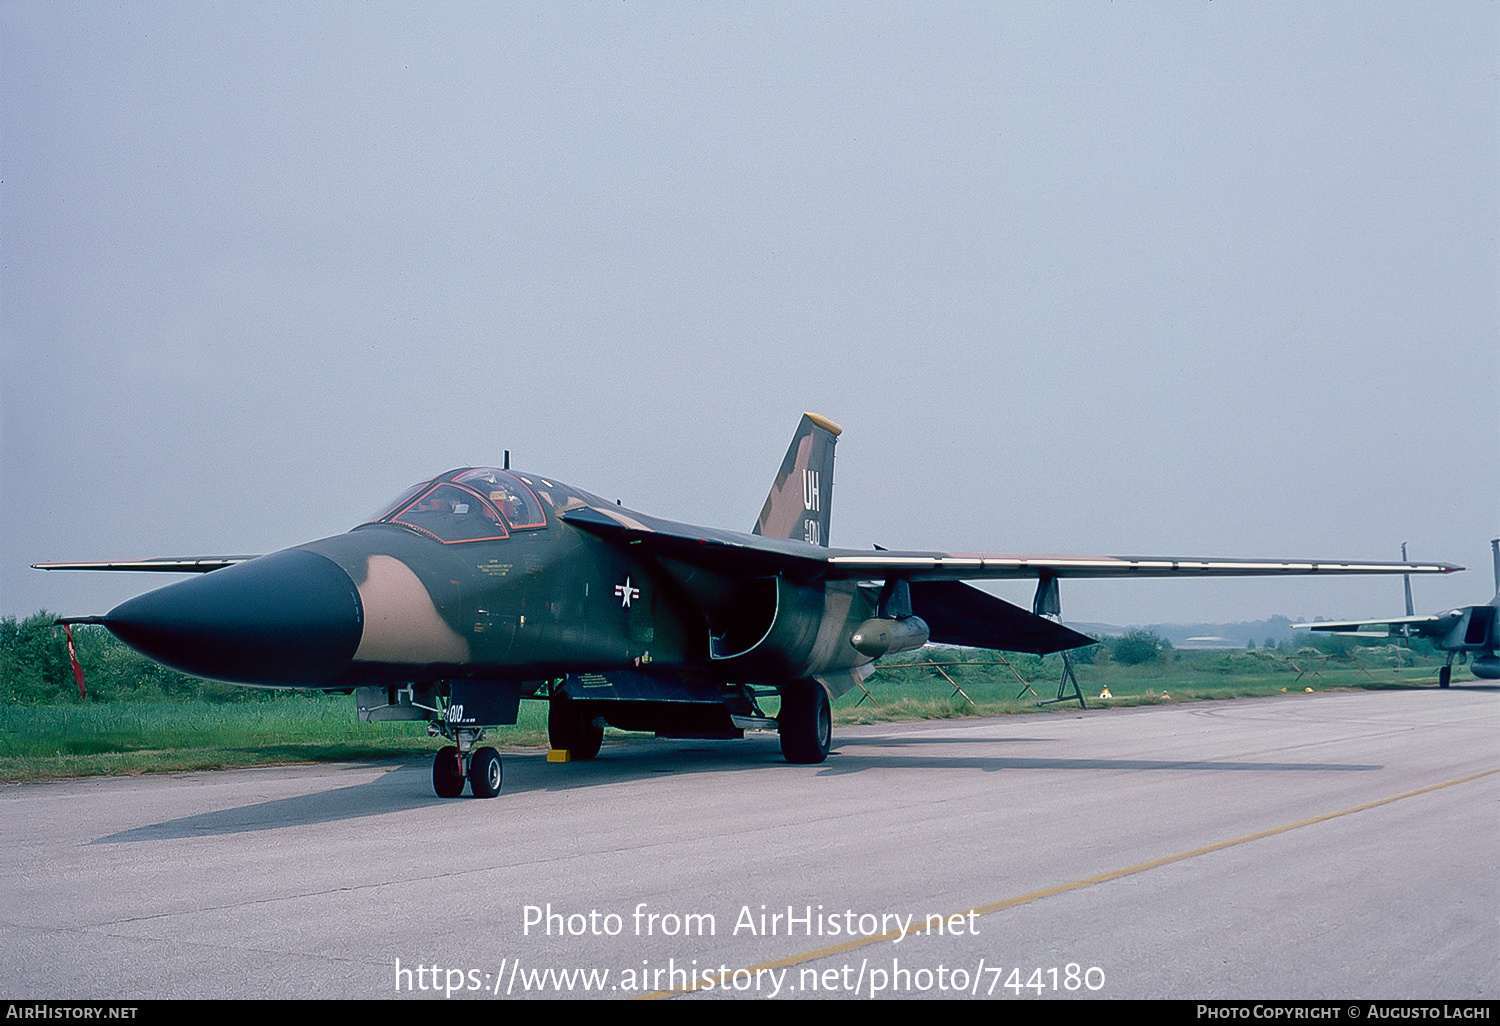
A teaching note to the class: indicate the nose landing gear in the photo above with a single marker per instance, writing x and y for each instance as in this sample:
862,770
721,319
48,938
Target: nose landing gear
485,774
455,764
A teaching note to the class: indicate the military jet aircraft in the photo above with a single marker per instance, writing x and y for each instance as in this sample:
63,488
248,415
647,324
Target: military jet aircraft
1470,631
483,586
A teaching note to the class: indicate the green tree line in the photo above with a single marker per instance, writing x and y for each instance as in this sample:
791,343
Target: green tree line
34,666
35,670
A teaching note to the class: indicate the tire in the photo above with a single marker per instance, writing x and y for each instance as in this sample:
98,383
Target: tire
805,723
485,773
571,726
447,777
1445,676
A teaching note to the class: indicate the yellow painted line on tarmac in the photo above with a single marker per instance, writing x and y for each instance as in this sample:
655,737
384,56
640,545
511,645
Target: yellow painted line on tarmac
1076,885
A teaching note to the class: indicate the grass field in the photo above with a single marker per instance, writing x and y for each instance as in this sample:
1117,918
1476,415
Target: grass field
165,735
1196,676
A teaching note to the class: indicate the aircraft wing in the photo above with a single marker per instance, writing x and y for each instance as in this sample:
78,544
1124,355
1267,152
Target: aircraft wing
926,566
1397,626
733,551
181,565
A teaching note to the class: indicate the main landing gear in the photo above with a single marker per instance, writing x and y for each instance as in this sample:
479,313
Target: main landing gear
805,723
455,764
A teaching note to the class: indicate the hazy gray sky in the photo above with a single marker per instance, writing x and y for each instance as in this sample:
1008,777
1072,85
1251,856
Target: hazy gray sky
1211,279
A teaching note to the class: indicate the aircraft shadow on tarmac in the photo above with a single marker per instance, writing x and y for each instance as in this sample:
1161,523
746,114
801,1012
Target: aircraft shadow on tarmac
385,794
404,786
636,760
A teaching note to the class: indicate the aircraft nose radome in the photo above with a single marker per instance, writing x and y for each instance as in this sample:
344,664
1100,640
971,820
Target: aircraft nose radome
289,618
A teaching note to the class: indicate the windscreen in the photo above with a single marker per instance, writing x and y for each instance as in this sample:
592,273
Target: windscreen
452,514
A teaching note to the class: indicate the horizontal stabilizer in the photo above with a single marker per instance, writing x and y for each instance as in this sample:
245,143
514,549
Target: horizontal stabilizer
1420,626
959,614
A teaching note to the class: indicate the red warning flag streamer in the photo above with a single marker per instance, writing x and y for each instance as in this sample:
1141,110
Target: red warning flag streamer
73,658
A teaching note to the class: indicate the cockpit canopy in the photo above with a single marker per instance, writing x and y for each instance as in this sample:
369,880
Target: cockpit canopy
466,505
509,494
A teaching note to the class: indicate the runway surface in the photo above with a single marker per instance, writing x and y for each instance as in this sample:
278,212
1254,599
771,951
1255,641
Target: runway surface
1334,845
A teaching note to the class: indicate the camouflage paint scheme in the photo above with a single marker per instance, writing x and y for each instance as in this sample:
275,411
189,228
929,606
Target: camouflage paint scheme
550,602
483,586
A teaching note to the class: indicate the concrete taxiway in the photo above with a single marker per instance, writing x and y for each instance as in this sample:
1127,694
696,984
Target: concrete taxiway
1334,845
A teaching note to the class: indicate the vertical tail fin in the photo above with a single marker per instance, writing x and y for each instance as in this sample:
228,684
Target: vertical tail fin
801,498
1406,579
